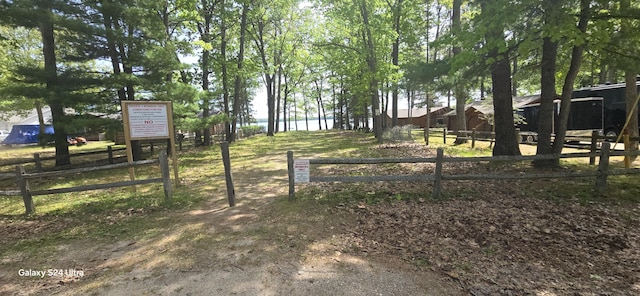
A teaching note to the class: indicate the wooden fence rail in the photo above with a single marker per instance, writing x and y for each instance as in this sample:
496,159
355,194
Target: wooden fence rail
474,135
38,159
22,179
438,176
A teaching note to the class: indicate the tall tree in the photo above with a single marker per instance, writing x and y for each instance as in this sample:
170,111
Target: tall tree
551,11
396,10
570,78
40,15
506,141
206,11
239,77
459,87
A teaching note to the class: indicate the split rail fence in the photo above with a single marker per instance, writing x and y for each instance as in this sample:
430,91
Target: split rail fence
601,173
22,180
38,159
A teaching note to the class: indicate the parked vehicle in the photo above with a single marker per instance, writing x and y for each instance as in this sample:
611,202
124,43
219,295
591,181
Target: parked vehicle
615,108
3,134
600,108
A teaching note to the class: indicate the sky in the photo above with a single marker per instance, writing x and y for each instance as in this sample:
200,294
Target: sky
259,103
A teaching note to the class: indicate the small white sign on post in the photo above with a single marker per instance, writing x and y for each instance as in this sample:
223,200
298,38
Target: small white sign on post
301,170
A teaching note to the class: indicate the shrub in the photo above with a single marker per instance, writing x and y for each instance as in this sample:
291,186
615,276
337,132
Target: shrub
251,130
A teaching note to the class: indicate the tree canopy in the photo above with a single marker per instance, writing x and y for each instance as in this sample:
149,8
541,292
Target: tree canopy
350,61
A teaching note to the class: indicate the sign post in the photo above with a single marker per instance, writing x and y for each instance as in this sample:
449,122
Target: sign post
148,120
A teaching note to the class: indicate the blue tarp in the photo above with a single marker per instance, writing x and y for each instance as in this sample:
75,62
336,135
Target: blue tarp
26,134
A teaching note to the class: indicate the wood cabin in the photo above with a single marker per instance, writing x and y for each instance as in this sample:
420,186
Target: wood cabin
418,117
477,113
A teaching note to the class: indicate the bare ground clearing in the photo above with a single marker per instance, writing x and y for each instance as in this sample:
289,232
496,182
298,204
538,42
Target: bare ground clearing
484,239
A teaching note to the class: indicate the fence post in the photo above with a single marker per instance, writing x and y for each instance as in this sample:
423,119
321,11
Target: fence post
594,147
473,138
426,135
24,190
518,137
627,158
292,184
444,136
110,153
437,183
166,176
231,192
603,168
38,162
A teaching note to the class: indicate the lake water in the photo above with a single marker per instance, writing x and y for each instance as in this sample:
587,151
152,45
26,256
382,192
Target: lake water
301,125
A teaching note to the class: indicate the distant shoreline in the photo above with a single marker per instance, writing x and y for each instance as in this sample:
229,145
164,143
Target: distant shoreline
261,120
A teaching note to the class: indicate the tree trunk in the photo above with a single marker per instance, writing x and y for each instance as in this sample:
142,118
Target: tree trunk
229,137
278,96
631,95
506,141
51,76
631,89
295,111
238,80
567,88
395,57
271,102
42,140
306,116
547,96
111,47
373,69
284,103
205,35
458,89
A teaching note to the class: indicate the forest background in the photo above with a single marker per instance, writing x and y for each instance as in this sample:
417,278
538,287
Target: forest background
349,60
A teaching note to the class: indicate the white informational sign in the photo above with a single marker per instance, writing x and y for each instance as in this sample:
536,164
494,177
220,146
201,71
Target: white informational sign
301,170
148,121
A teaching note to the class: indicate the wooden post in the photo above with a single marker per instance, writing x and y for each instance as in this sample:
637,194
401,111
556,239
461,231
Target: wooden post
110,154
627,158
603,167
24,190
518,137
444,136
437,183
594,147
231,193
38,162
166,175
292,184
151,145
473,138
426,136
427,127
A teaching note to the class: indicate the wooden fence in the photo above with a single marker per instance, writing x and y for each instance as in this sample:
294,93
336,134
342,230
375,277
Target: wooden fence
38,159
22,179
526,137
601,173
